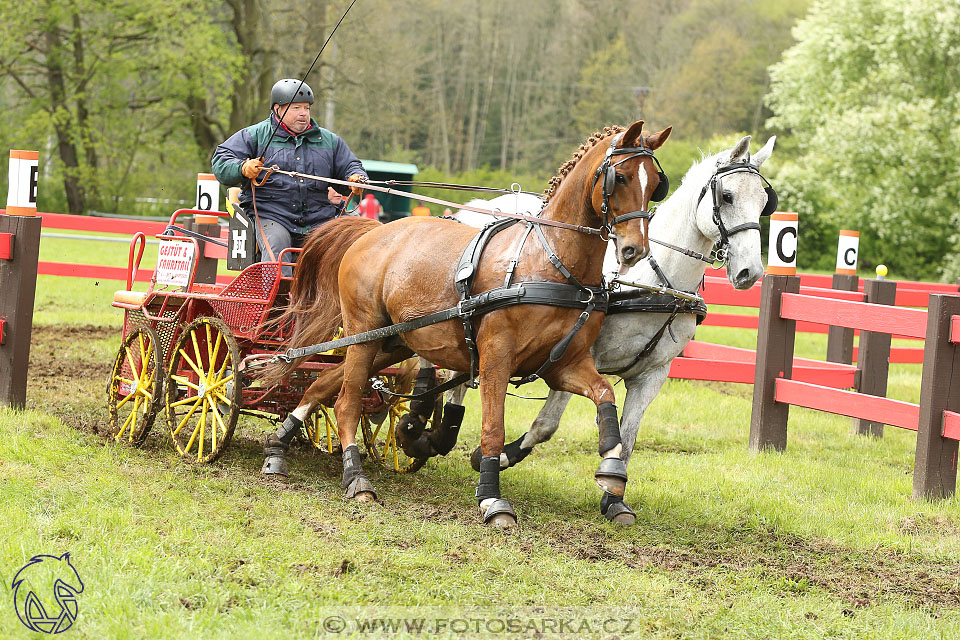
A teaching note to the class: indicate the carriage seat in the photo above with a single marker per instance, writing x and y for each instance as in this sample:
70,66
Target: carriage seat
130,297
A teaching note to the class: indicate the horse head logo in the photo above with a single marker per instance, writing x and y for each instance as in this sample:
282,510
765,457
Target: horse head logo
45,593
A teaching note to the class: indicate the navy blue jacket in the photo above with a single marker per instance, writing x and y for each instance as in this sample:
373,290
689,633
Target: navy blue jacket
297,204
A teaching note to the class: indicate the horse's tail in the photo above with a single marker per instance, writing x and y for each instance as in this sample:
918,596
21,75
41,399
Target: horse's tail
314,309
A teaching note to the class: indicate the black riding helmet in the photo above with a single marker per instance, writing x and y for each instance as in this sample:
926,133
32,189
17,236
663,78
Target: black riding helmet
290,90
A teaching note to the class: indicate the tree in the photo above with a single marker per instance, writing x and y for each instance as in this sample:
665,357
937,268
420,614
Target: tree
107,80
871,91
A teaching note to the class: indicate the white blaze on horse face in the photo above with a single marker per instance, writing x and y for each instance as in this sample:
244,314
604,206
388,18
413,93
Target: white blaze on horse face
642,175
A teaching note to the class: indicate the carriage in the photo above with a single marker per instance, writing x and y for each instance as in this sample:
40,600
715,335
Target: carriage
187,341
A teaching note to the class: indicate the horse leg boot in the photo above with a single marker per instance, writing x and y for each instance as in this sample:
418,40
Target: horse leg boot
411,426
495,510
348,407
276,445
355,484
611,475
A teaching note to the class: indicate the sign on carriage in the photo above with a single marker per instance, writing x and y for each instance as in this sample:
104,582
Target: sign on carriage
782,258
848,249
22,190
174,262
208,192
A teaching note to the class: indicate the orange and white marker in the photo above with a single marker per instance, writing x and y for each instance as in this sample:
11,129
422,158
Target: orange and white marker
848,249
208,196
22,191
782,257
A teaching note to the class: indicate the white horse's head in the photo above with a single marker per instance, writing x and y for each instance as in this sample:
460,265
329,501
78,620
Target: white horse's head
741,198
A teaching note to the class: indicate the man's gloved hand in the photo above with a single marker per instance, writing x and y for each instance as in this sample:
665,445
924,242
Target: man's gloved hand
251,167
357,177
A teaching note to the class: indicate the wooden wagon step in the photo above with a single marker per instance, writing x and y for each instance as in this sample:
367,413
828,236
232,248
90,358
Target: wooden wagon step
130,297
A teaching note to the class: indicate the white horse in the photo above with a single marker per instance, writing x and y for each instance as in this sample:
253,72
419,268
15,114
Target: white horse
726,186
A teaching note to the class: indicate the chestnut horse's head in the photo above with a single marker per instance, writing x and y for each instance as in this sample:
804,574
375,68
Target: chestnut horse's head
626,179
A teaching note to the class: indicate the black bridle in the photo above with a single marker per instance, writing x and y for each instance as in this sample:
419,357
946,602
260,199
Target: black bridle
716,187
607,171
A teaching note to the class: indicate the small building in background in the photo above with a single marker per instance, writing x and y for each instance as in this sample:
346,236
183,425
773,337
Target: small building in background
394,207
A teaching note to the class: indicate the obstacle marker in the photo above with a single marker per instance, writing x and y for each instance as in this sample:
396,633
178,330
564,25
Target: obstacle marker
782,256
848,249
22,191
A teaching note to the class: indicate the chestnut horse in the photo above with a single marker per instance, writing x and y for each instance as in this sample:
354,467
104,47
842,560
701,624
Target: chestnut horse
369,276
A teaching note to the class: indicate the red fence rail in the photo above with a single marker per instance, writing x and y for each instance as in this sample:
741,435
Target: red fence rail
777,387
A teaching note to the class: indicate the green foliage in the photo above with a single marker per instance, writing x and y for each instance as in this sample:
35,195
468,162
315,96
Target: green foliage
610,102
871,93
109,81
715,81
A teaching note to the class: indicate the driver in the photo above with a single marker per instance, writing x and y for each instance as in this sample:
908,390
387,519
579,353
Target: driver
286,208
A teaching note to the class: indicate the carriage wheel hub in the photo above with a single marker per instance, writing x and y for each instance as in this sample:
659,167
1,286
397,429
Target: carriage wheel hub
202,390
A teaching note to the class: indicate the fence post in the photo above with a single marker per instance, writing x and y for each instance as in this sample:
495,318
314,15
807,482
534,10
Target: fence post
935,463
873,359
775,340
840,339
19,255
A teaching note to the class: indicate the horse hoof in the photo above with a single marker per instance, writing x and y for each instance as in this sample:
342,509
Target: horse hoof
275,468
611,476
500,514
365,496
475,459
502,521
616,510
610,484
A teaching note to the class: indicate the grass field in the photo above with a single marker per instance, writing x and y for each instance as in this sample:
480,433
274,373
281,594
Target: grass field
823,540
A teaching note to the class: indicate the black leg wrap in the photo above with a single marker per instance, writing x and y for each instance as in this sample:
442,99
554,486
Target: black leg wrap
488,486
616,510
609,426
291,426
354,481
499,512
514,452
275,448
445,438
426,379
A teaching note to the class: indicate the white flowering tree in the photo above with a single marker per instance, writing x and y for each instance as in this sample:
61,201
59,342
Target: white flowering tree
871,94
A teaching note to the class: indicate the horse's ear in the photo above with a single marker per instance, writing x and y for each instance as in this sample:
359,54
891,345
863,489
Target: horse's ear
740,150
764,154
631,138
656,140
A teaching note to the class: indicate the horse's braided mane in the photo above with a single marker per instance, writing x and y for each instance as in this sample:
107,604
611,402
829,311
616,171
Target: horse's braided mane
568,166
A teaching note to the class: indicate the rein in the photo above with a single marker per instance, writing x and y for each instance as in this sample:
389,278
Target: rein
452,186
602,232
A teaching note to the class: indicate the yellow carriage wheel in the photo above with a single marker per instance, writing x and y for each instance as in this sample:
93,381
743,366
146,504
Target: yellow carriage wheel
320,430
203,390
381,439
133,395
